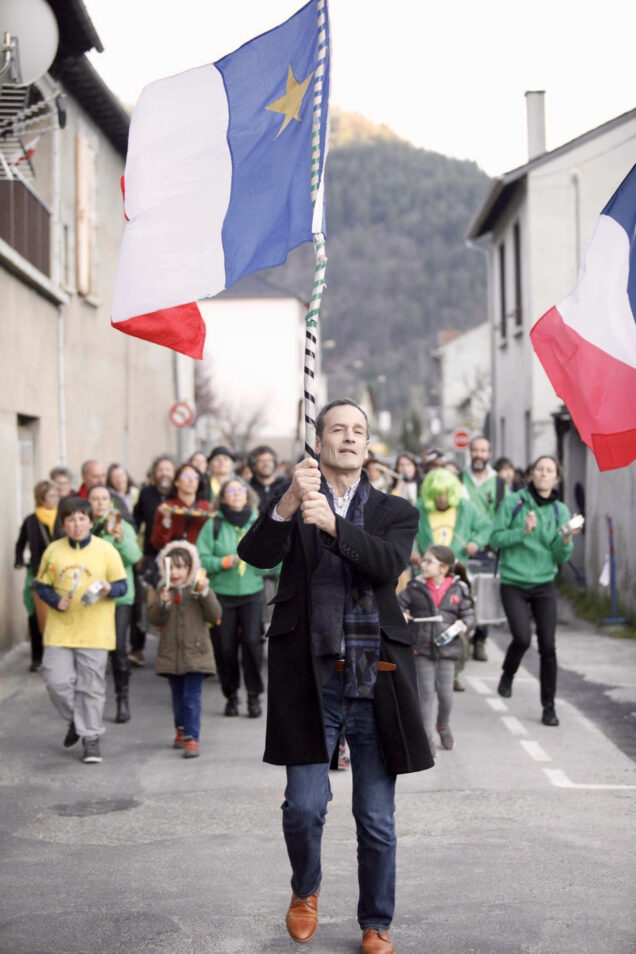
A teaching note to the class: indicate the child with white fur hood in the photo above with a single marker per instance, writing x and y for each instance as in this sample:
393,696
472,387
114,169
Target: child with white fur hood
181,607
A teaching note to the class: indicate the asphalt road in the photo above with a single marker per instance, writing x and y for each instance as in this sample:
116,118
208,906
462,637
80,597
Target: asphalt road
519,841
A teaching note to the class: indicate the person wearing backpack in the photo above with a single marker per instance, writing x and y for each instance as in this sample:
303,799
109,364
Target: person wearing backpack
239,588
531,549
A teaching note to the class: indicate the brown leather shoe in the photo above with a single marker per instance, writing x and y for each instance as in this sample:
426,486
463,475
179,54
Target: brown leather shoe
376,941
302,917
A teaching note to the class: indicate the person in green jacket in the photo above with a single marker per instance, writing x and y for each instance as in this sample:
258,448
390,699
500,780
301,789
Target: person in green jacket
239,588
527,532
110,526
447,518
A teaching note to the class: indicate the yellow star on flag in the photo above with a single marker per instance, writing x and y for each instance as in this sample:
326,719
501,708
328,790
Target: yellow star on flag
290,103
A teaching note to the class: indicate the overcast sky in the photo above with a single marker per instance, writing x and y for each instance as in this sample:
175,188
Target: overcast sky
448,76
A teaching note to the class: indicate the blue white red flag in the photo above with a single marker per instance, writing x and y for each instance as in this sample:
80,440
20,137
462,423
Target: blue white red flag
217,179
587,343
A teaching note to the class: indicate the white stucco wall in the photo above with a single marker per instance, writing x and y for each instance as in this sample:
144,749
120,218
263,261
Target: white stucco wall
512,370
611,493
564,197
465,378
557,210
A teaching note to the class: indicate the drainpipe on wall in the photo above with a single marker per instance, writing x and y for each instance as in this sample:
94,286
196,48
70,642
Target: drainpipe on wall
56,278
176,386
61,391
127,403
485,245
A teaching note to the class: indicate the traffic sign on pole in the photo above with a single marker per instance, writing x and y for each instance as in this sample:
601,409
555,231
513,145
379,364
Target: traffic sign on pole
461,437
181,414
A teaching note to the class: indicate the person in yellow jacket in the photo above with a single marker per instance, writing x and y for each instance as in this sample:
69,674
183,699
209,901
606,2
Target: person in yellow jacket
79,578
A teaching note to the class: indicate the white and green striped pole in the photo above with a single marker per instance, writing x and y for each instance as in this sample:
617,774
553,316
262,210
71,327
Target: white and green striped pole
311,318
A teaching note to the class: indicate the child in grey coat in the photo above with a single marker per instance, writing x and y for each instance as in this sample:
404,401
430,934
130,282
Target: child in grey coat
436,600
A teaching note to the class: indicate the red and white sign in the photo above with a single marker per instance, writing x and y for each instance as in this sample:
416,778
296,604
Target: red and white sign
181,414
461,437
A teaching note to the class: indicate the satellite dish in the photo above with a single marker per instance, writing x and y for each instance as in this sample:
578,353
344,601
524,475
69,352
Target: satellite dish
32,43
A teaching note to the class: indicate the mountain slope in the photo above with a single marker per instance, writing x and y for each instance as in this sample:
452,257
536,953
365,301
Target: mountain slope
398,269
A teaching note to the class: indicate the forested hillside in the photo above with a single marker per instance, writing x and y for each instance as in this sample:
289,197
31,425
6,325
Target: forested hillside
398,269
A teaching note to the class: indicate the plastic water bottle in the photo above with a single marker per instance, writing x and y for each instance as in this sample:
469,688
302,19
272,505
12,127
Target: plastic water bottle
449,634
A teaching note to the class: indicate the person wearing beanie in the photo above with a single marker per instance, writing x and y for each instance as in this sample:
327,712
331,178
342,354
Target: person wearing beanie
221,461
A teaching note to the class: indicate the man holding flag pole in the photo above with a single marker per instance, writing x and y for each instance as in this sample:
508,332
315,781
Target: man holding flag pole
340,655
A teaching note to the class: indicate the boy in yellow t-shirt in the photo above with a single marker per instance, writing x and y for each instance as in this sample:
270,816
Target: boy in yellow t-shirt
79,578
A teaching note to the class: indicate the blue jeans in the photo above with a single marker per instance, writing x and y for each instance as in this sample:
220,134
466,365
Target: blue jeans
186,702
308,793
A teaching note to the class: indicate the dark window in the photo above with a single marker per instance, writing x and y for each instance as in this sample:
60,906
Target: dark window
502,291
25,223
516,238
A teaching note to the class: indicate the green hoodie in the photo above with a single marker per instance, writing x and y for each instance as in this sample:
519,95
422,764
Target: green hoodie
129,552
529,559
240,580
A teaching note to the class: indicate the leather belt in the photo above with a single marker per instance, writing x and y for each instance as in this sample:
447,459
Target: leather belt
339,665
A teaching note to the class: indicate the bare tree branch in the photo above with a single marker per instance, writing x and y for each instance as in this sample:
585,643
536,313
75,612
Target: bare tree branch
239,424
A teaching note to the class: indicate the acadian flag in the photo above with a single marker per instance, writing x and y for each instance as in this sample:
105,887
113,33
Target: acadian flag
587,343
218,178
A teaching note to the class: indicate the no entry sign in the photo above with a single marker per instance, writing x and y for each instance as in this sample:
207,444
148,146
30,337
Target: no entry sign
181,414
461,437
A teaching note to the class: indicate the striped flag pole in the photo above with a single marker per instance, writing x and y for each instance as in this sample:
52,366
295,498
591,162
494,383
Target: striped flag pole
311,318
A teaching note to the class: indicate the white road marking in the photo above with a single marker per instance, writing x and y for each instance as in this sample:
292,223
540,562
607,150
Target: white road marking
535,751
514,725
479,685
557,777
560,780
497,704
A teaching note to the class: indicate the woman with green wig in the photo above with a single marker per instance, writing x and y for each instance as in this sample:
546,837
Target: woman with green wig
448,518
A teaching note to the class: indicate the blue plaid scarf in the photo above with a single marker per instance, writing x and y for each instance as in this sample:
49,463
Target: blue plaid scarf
344,615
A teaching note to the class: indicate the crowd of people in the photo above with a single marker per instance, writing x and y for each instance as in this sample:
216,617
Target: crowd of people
373,618
177,536
107,560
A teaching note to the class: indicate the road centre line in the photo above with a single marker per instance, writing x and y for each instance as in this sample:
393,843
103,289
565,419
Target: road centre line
498,705
514,725
560,780
535,751
557,777
479,685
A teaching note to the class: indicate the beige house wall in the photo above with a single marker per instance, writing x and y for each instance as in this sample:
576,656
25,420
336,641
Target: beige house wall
91,391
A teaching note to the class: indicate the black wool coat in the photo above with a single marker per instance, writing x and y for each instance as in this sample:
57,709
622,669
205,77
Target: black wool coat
379,550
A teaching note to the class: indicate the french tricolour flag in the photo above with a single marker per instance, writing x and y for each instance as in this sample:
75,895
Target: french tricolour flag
587,343
217,179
